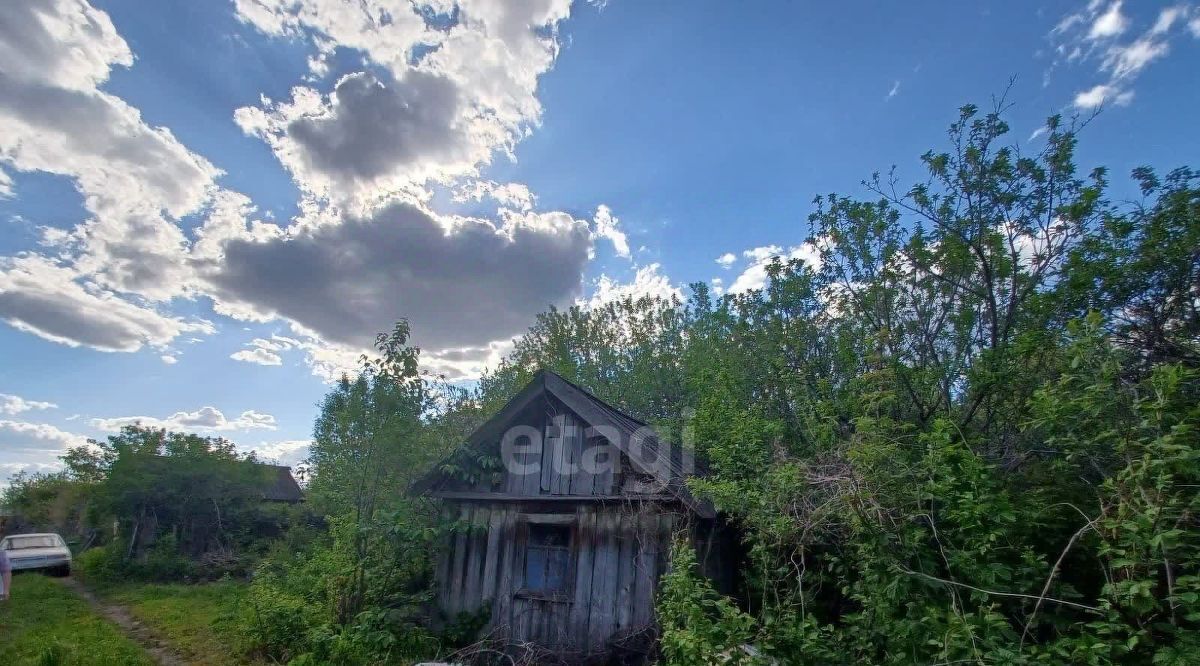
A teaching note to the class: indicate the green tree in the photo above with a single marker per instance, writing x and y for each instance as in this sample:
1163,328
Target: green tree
358,593
959,431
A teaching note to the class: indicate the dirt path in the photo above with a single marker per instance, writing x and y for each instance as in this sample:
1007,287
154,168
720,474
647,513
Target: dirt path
146,637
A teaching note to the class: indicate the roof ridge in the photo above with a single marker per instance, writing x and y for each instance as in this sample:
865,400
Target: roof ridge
595,411
595,398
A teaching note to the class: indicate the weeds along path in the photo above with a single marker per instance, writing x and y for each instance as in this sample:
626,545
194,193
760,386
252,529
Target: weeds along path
150,641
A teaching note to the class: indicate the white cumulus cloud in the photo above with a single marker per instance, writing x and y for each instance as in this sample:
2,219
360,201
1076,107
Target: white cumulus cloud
261,352
54,118
203,419
15,404
647,282
449,91
286,452
1109,23
1102,94
36,435
43,298
755,275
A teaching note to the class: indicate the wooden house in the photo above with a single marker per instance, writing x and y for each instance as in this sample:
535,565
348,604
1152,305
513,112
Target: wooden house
260,482
279,485
567,540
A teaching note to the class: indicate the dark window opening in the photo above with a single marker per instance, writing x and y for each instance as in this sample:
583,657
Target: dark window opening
547,558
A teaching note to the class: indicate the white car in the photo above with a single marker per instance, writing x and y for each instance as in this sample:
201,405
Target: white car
38,551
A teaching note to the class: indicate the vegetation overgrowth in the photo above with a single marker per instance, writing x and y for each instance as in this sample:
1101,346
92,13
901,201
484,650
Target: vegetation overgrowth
957,425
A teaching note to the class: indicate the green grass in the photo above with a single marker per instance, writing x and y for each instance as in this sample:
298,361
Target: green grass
197,620
46,623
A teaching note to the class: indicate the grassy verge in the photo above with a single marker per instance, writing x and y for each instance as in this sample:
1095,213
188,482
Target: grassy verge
45,623
197,620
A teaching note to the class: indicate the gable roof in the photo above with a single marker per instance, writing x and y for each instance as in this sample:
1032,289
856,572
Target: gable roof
275,482
280,485
681,463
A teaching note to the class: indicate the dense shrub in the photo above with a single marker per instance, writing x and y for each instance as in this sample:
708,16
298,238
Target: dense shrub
698,623
192,505
296,607
959,425
275,625
102,563
161,562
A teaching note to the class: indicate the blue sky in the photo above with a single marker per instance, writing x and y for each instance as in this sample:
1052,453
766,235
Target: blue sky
207,210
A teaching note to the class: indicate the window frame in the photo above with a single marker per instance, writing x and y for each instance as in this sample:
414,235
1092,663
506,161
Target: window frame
53,541
566,593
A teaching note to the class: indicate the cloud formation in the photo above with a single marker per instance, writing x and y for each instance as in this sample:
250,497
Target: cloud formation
441,93
647,282
41,297
461,282
368,132
15,404
261,352
33,447
607,227
54,55
22,434
286,452
754,276
208,419
1098,34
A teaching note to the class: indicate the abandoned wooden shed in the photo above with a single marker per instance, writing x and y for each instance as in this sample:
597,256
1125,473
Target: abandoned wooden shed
568,536
279,485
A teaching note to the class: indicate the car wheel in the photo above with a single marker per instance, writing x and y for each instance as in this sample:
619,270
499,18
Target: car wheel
64,570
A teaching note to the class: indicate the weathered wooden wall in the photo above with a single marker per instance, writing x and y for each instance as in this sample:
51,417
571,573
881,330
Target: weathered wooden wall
620,539
619,552
557,468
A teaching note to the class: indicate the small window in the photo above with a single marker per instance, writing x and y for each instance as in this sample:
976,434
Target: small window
547,558
33,541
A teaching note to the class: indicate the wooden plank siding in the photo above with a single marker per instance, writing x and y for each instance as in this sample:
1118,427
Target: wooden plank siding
627,538
620,537
645,570
606,455
585,539
558,468
475,559
602,619
491,565
549,466
618,556
502,607
458,564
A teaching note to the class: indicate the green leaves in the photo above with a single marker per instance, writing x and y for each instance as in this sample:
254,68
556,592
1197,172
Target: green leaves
962,429
959,432
700,626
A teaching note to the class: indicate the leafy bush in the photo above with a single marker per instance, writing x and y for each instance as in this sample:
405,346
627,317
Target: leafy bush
298,603
161,562
275,625
959,424
102,563
699,625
